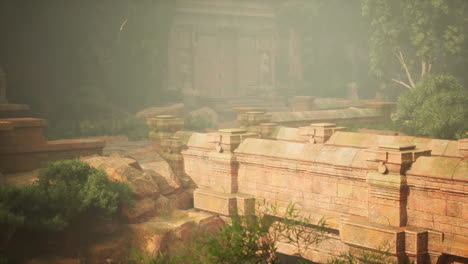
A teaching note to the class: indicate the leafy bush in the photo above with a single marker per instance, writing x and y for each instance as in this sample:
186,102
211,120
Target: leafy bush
250,239
129,126
437,107
67,194
198,123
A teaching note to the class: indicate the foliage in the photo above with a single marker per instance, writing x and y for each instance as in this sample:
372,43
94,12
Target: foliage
251,239
129,126
198,123
67,194
421,33
436,107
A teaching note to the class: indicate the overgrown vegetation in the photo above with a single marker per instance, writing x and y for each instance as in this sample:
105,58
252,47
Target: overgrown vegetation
249,239
254,240
69,196
436,107
198,123
411,39
129,126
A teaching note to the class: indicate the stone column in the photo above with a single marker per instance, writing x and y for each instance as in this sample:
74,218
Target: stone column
3,86
162,135
387,183
163,126
264,130
253,118
221,195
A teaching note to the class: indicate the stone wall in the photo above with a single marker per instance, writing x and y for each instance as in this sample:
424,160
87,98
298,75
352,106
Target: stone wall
374,190
23,146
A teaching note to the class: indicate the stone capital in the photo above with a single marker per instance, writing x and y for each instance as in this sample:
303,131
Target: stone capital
395,158
319,132
227,140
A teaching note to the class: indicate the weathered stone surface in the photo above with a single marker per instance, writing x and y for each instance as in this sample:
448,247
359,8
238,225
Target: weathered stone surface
151,112
142,209
118,169
114,249
408,199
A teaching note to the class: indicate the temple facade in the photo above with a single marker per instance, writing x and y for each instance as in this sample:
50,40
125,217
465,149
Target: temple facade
222,48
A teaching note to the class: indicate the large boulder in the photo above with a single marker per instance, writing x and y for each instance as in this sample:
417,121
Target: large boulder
118,169
142,210
150,112
127,170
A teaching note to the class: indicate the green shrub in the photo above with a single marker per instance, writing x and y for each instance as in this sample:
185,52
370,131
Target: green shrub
68,194
250,239
129,126
437,107
198,123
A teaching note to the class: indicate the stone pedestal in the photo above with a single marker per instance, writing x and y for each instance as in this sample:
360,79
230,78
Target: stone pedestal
253,118
319,132
264,130
163,126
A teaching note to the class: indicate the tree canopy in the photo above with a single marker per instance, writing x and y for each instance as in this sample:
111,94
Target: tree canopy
410,39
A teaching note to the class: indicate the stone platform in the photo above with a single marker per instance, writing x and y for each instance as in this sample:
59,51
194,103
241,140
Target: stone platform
23,146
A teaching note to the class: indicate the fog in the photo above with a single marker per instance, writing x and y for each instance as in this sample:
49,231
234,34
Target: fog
129,83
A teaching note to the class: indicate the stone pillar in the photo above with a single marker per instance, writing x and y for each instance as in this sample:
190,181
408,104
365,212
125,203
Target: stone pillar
221,195
3,86
264,130
302,103
387,182
319,132
163,126
253,118
168,146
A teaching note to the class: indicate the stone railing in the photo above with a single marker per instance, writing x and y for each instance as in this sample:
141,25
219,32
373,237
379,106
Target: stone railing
23,146
387,192
368,112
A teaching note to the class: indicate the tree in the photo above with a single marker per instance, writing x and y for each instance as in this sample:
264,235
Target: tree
422,34
436,107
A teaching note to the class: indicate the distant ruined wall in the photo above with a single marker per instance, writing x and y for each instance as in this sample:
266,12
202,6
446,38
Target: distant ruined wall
374,190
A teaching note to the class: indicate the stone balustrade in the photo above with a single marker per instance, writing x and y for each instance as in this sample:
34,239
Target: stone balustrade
404,193
23,146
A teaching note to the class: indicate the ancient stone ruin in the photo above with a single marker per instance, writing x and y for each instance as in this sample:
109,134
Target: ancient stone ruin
403,192
23,146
